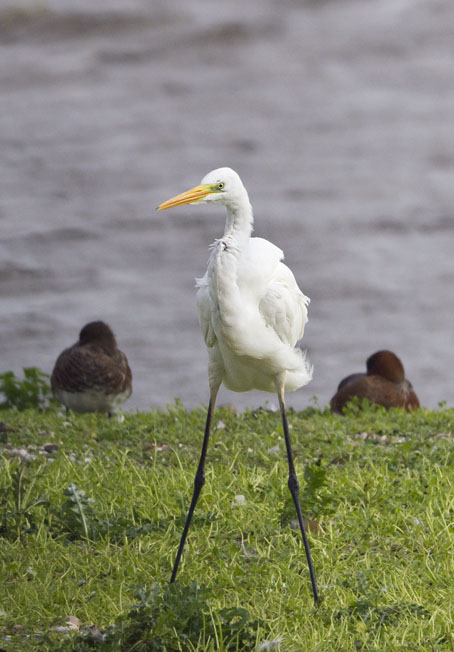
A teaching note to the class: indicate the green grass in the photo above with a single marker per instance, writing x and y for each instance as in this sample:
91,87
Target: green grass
377,487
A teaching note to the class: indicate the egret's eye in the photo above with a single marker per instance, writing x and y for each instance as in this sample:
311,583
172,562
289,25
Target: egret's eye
221,185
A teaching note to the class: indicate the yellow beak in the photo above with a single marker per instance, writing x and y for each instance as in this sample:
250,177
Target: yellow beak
191,196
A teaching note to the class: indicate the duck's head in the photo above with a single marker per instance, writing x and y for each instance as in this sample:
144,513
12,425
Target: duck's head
98,332
387,365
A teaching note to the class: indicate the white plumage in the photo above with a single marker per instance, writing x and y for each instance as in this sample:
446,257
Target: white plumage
252,313
251,309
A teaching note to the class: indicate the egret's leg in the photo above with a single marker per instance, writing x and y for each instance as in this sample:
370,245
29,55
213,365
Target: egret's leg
293,485
199,481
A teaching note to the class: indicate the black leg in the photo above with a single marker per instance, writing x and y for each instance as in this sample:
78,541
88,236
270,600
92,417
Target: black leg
199,481
293,485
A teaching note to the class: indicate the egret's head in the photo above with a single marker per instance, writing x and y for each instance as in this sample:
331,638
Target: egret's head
221,186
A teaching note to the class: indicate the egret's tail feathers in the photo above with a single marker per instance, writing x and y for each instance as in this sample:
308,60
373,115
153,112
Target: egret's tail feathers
300,374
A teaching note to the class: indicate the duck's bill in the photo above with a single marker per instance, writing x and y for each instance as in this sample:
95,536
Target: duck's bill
192,196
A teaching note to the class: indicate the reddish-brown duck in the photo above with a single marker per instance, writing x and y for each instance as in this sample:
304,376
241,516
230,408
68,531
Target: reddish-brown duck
384,384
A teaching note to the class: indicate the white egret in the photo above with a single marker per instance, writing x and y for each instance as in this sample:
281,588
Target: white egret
252,313
92,375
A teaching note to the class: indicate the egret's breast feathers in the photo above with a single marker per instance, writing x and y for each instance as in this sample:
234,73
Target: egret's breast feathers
265,287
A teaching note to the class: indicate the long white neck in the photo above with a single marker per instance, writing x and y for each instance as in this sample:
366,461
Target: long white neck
239,222
225,261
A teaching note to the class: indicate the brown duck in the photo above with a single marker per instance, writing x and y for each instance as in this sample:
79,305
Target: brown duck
92,375
384,384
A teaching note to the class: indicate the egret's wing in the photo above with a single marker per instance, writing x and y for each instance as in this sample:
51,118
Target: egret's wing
258,266
284,307
204,308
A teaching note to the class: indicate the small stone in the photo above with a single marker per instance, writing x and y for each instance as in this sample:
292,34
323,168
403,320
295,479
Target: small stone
50,448
239,500
73,622
268,646
17,628
23,454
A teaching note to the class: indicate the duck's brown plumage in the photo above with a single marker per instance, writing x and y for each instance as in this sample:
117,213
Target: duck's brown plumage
384,384
92,375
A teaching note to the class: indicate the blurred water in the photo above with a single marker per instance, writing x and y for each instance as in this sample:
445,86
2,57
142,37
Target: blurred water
338,115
